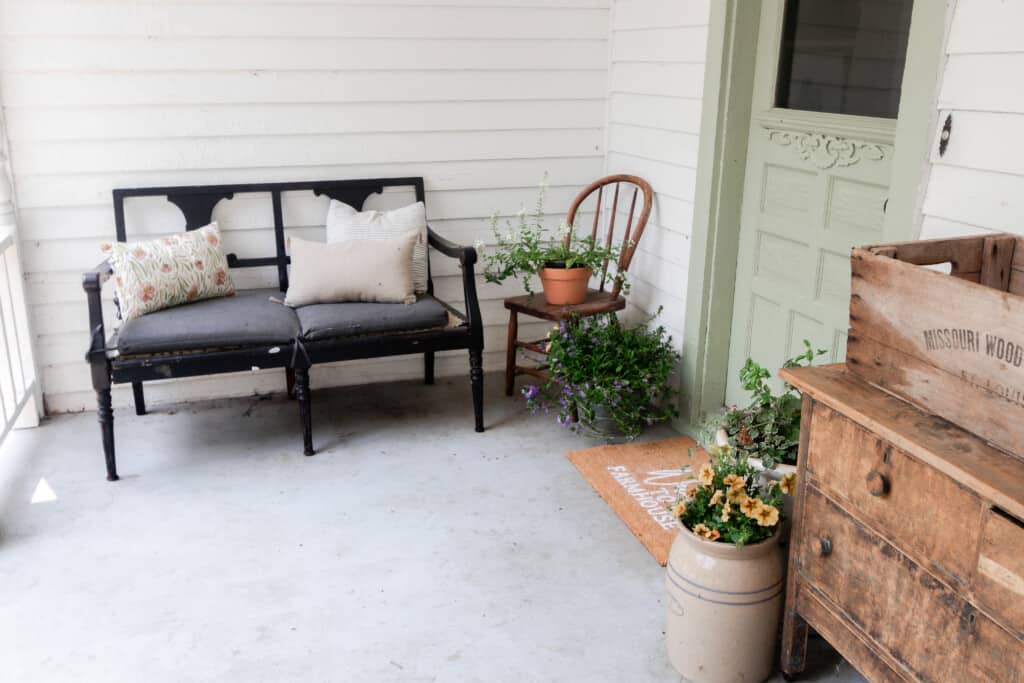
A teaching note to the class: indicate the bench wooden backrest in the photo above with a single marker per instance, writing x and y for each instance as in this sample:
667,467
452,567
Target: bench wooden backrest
197,202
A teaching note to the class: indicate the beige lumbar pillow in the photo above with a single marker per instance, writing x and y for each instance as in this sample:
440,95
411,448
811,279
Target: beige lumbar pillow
374,270
169,271
345,223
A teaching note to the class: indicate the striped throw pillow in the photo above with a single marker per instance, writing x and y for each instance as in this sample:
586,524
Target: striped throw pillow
345,223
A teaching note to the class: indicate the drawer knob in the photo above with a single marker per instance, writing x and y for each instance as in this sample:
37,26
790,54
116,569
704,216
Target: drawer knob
823,548
878,483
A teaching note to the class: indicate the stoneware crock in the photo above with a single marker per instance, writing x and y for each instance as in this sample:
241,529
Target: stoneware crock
724,605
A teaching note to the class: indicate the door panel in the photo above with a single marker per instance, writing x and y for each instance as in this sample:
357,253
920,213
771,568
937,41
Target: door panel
816,185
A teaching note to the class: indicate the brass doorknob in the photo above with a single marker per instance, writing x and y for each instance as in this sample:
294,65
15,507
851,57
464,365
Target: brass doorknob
823,548
878,483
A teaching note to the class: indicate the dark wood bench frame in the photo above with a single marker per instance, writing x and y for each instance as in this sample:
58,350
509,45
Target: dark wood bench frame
197,204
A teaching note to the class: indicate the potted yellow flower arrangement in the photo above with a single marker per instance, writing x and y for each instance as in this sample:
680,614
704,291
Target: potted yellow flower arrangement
725,572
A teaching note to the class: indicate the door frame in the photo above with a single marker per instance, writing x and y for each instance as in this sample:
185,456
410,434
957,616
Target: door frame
729,78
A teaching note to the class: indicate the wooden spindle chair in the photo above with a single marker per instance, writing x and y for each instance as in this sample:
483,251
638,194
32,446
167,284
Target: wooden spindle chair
598,301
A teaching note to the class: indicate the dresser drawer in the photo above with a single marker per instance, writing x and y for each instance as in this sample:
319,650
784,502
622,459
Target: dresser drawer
916,619
916,506
998,583
992,654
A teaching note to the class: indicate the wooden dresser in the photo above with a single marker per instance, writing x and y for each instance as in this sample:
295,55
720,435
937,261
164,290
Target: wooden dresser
907,551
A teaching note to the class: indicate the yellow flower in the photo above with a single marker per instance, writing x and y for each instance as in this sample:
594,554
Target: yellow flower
718,451
750,507
707,475
788,483
735,481
706,533
767,515
691,491
726,511
736,496
679,509
715,499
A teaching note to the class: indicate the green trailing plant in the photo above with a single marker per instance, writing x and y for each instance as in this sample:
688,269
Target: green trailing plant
611,377
528,245
768,428
731,502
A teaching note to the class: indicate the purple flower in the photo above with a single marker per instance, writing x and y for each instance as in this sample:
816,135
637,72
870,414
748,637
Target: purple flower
564,420
531,392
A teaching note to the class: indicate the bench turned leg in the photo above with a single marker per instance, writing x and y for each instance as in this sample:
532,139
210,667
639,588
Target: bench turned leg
140,398
105,414
510,353
289,382
476,378
428,367
302,395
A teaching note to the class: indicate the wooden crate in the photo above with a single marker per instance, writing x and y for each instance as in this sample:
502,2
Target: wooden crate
950,344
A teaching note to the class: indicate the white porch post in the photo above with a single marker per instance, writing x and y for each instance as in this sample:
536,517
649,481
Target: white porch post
22,399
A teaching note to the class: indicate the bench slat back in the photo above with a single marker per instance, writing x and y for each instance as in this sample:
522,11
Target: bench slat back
197,202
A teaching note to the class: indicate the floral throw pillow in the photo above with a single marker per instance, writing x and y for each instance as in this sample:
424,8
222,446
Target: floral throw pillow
169,271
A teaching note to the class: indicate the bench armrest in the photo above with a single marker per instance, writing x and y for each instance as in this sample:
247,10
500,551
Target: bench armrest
92,283
465,255
467,258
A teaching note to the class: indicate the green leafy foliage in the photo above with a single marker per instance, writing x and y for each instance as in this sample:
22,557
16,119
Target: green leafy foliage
526,247
768,428
614,377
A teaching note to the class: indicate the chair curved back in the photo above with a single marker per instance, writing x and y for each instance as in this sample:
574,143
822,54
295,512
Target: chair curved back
633,231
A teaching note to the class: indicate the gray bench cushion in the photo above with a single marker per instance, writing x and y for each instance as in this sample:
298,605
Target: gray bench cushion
326,321
247,319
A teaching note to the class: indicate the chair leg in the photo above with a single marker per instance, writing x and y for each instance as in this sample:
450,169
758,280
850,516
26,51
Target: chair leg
510,353
476,378
105,413
302,395
428,367
140,398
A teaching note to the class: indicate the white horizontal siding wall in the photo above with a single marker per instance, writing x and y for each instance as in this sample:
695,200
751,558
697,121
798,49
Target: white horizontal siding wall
657,75
978,185
480,97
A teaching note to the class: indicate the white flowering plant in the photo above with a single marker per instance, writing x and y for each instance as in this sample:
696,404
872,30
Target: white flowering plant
732,503
768,428
528,245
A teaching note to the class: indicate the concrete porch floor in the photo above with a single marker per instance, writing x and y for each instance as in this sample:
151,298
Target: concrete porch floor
408,549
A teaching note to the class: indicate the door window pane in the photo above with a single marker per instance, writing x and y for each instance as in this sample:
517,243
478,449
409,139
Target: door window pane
844,56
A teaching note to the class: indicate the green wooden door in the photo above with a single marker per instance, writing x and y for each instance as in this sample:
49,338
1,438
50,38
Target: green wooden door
819,159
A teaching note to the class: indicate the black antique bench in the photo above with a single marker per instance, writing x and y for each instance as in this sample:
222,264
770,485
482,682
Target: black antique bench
251,329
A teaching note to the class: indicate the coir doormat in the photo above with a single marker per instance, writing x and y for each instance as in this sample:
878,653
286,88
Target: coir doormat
640,481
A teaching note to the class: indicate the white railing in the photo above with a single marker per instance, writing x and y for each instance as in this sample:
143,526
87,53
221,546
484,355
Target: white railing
17,377
17,369
20,399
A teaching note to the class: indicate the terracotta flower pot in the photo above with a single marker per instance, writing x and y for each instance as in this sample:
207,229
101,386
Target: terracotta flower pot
565,286
724,605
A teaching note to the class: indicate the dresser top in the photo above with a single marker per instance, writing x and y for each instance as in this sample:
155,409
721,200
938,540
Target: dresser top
992,473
